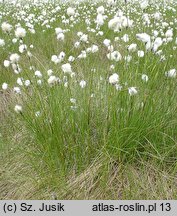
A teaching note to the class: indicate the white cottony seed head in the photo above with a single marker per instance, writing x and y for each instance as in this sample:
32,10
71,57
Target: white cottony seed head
18,108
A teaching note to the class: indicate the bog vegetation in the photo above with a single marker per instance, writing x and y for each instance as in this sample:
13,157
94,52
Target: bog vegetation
88,100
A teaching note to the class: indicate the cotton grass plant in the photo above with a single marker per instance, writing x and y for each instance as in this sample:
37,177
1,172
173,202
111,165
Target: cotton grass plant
92,90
